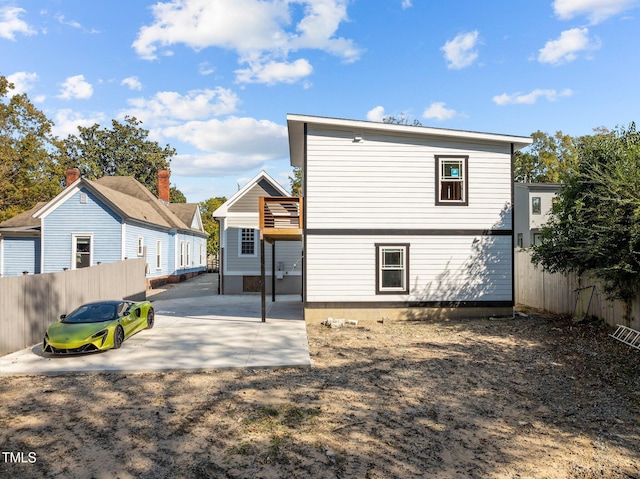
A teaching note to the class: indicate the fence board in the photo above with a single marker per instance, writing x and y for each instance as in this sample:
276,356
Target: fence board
557,293
28,304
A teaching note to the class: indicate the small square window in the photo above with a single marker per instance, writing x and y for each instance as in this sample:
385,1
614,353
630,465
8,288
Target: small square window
536,207
537,239
392,265
451,180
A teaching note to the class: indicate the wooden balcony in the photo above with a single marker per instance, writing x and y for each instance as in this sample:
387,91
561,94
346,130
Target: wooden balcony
281,218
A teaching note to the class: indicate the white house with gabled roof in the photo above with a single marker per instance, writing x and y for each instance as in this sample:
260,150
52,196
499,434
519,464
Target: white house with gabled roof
240,261
404,221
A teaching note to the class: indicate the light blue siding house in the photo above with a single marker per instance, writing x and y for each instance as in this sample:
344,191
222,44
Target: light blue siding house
103,221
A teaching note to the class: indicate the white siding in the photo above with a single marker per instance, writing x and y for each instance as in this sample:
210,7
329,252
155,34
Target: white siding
441,268
389,182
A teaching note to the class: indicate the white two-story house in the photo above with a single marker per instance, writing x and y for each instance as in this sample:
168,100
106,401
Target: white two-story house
404,221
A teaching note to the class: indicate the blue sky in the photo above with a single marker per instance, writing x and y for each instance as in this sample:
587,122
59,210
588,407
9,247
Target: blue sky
216,78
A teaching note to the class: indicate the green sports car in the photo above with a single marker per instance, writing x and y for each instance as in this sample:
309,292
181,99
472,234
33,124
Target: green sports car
97,326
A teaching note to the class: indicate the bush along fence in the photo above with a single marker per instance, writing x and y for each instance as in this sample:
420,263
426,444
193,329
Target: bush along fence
567,294
28,304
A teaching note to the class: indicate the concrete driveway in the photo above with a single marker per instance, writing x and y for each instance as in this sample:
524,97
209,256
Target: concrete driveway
195,329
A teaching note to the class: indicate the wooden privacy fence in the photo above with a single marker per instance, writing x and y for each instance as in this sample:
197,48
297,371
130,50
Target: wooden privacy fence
557,293
28,304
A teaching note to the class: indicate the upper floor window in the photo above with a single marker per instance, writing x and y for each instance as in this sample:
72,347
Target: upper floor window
452,180
536,207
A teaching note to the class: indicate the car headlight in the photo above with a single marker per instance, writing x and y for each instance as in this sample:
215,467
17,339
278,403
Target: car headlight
99,334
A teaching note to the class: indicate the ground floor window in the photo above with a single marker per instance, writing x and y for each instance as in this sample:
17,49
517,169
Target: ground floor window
392,266
158,254
247,242
82,251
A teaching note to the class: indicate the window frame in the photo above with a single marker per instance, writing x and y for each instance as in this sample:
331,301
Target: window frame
188,262
536,205
74,249
181,262
158,254
140,245
380,248
439,160
253,242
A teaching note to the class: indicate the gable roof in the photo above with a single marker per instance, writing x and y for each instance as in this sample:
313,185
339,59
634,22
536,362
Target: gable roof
223,210
189,213
296,125
126,197
24,220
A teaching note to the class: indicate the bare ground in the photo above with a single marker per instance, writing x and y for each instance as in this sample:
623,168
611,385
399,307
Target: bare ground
534,397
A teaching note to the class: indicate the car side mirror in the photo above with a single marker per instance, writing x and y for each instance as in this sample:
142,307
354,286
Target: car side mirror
62,316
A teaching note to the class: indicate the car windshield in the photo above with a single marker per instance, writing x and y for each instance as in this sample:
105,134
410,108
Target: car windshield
93,313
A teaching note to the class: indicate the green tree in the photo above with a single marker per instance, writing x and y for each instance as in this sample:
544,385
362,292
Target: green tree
29,171
207,207
550,159
123,150
296,181
595,225
176,196
401,120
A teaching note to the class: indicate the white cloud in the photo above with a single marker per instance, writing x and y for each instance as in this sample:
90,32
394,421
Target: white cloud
530,98
567,46
230,145
76,87
167,106
266,37
10,23
132,82
438,111
71,23
461,51
406,4
22,82
67,122
272,72
376,114
205,69
595,10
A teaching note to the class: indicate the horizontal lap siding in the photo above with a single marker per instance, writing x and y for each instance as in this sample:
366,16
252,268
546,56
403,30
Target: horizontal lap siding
441,268
73,217
390,181
287,252
193,262
150,241
20,255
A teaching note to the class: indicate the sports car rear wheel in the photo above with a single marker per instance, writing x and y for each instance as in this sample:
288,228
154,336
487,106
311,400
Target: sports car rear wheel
150,318
118,337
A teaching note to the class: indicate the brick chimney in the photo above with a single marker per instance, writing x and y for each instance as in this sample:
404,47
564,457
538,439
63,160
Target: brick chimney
163,185
72,175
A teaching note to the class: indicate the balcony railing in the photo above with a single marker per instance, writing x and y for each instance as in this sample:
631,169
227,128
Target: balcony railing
281,218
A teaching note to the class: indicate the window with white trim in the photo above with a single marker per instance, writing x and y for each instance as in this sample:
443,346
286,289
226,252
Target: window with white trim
247,242
188,254
82,251
140,246
392,266
181,254
452,180
158,254
201,255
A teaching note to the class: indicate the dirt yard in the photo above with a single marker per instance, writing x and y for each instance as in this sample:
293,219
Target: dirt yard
534,397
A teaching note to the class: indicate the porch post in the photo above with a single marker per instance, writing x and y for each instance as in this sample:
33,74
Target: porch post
263,281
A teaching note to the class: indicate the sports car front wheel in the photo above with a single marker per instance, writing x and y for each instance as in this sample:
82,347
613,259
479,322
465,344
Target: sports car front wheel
118,337
150,318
